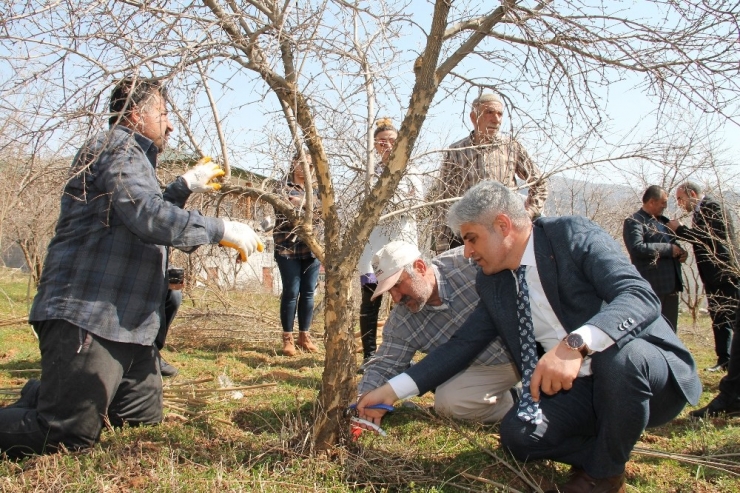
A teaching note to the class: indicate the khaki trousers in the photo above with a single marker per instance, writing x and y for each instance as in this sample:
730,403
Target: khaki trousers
479,393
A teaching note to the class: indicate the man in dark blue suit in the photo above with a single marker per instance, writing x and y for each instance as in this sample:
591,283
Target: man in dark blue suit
611,367
654,252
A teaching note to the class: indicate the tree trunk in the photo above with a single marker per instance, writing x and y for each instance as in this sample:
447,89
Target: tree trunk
337,386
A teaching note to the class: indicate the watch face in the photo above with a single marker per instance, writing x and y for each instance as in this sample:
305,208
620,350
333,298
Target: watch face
574,341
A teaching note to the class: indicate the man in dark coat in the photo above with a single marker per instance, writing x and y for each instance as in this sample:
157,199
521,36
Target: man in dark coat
711,236
654,252
711,233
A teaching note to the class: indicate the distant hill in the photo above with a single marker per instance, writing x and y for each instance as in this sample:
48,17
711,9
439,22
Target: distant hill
568,196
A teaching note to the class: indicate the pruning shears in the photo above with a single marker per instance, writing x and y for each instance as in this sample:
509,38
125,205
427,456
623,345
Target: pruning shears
352,412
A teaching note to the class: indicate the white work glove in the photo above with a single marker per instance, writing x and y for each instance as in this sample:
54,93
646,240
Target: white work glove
204,171
242,238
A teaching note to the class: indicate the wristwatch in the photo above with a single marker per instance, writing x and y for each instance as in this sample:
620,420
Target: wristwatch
575,342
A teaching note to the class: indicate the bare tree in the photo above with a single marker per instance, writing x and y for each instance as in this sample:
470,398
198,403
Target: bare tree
316,72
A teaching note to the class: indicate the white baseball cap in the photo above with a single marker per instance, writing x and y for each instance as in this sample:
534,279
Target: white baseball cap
389,262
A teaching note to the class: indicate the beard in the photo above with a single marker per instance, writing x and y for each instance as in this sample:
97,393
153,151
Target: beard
421,291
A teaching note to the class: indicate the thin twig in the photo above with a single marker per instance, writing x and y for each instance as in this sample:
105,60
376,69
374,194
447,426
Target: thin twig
227,389
488,481
191,382
727,467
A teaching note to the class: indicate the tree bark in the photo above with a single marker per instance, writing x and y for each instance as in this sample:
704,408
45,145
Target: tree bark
337,382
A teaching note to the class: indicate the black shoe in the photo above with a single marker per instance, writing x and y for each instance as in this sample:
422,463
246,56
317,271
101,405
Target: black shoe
166,369
722,404
720,366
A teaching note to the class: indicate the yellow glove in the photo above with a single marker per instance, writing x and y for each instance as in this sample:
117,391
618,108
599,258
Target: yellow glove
242,238
198,177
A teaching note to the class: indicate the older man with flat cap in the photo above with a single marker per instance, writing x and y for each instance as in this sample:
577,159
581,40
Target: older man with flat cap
485,154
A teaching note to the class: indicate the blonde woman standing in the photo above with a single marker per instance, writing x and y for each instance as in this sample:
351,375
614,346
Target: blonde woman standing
398,227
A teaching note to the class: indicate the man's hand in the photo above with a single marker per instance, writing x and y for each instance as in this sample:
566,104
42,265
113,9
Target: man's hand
680,253
381,395
673,224
242,238
555,371
296,201
198,177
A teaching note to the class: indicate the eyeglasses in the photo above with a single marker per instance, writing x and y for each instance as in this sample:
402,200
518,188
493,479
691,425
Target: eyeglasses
385,141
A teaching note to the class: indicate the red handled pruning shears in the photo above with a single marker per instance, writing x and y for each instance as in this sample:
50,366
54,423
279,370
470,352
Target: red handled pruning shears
352,412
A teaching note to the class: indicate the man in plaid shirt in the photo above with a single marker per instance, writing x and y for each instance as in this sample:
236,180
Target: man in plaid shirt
433,299
100,300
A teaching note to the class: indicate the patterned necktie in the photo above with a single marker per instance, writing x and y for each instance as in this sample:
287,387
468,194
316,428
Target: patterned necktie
528,410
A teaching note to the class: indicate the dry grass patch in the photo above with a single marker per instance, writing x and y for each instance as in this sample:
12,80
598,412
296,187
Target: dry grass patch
239,418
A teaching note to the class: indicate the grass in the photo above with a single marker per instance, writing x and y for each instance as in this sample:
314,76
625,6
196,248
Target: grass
212,441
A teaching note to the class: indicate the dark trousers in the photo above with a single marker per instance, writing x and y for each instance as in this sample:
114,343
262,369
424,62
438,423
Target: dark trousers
369,310
669,308
722,302
299,276
730,383
171,306
597,422
84,379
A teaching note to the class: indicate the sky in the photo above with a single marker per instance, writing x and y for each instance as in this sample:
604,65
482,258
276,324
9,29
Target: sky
631,114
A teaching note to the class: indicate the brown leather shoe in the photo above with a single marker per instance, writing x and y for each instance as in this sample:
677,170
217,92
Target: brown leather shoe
305,342
581,482
288,346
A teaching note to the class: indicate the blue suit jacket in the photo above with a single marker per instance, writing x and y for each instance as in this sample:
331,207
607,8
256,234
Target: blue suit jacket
587,279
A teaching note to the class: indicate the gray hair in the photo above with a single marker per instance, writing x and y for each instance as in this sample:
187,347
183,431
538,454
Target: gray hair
690,186
482,203
409,268
488,97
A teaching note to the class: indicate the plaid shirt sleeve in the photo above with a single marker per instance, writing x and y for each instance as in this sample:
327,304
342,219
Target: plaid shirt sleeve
452,182
177,192
134,195
394,354
531,174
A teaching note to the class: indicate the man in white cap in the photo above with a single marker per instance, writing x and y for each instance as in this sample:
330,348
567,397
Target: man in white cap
485,154
433,299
